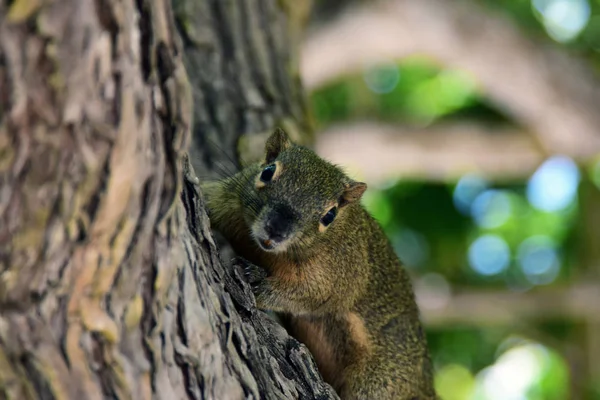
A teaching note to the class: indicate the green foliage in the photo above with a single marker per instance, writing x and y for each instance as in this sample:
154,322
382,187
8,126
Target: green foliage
454,382
421,93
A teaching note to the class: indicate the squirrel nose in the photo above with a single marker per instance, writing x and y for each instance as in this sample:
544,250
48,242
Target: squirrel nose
279,223
277,228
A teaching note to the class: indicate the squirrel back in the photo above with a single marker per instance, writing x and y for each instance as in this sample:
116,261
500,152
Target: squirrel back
322,261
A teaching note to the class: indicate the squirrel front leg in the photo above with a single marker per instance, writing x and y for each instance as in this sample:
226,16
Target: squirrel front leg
295,292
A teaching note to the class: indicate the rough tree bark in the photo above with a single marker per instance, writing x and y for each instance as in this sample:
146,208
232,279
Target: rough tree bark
110,281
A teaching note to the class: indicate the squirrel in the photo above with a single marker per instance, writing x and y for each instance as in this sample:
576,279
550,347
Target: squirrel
316,256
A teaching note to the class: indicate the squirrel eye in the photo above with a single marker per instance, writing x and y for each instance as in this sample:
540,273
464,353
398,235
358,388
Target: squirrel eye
267,173
329,217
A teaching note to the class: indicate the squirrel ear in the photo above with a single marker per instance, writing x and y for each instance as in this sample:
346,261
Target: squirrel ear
353,192
276,143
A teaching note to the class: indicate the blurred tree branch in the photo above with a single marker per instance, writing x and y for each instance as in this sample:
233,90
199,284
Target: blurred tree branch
552,94
502,307
438,152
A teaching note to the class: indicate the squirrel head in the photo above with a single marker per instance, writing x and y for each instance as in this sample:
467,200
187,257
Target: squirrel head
297,197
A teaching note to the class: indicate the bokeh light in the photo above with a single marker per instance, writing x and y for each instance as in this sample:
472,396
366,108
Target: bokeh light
466,190
539,259
518,372
382,78
489,255
553,187
513,373
491,209
563,19
454,382
411,247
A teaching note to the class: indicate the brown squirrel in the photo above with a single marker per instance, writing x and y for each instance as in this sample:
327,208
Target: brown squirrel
325,263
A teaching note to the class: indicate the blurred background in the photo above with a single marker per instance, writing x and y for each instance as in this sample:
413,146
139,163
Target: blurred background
476,125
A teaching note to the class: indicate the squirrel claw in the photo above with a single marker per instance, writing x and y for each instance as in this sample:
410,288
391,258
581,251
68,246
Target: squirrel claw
253,274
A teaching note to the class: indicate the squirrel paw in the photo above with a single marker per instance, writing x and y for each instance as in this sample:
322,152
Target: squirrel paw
257,279
253,274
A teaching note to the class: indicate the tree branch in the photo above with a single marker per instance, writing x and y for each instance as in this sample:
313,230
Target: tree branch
379,152
503,307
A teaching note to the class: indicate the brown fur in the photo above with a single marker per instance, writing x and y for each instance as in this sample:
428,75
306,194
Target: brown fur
315,338
341,287
358,332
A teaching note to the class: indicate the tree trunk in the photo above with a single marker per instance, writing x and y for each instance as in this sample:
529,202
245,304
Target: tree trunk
110,281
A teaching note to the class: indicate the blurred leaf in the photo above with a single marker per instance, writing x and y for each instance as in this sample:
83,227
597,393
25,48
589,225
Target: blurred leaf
454,382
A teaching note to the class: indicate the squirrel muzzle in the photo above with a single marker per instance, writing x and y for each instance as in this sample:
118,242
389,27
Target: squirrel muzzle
275,228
